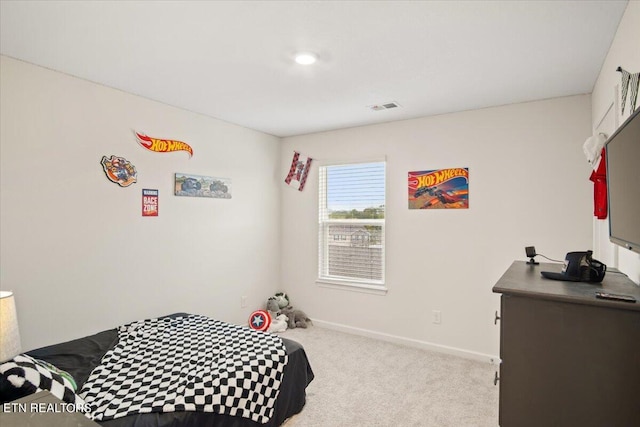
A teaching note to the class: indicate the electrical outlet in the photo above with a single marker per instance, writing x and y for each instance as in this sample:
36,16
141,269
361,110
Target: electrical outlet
437,317
243,301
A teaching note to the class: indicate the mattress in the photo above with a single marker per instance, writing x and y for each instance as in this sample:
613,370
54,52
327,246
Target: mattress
81,356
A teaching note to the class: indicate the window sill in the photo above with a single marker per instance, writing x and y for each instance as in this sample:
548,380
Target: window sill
352,286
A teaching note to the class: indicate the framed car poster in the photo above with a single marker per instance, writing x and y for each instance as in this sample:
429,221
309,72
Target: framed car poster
439,189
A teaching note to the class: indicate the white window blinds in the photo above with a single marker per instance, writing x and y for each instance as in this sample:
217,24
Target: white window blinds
351,223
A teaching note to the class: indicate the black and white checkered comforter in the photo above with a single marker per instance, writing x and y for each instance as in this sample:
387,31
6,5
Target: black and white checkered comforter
190,363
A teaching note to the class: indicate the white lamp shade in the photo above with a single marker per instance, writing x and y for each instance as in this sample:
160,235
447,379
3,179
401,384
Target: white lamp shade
9,333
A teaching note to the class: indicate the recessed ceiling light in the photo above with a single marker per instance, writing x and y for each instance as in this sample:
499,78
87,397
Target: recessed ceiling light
306,58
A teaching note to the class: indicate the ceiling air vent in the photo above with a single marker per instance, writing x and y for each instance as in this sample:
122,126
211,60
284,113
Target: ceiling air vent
387,106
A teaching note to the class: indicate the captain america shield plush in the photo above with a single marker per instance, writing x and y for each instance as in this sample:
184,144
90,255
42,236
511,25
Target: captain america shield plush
260,320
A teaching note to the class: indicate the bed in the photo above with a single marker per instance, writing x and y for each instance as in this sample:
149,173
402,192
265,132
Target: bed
87,361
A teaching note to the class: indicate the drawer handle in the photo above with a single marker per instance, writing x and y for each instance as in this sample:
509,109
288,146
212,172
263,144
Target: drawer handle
496,378
495,321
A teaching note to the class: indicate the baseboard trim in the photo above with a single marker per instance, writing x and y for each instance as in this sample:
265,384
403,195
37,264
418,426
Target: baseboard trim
410,342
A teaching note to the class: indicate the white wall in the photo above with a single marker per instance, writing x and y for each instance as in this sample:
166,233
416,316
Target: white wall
80,257
607,116
74,246
528,186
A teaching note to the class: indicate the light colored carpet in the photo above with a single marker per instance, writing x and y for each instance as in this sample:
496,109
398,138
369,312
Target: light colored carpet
361,381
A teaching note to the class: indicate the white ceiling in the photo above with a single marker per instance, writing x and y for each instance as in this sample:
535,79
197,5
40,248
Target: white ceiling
233,59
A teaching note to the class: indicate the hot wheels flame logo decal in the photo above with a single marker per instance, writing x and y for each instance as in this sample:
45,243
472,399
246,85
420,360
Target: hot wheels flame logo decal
162,145
437,177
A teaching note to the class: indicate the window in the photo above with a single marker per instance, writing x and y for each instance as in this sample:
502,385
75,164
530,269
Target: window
352,205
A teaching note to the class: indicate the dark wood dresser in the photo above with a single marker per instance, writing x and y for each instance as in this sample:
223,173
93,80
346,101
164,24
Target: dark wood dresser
567,358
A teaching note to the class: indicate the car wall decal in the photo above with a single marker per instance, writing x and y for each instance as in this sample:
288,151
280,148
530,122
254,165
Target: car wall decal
119,170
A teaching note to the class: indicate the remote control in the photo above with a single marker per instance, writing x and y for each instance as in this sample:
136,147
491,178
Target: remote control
616,297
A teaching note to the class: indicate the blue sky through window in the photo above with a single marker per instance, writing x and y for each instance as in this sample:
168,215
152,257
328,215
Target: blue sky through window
355,186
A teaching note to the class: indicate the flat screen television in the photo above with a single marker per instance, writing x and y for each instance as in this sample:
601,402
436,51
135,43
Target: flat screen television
623,183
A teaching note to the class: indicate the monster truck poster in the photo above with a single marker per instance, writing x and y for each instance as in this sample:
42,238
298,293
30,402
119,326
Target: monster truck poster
439,189
202,186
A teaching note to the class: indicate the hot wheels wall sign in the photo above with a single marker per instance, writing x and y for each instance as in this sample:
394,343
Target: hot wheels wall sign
119,170
162,145
439,189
